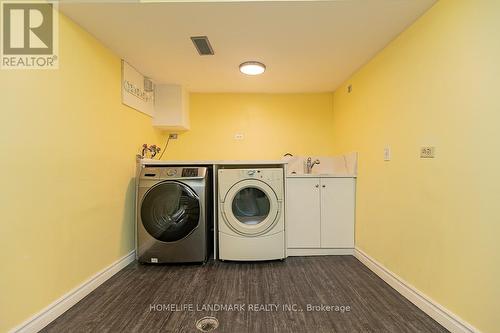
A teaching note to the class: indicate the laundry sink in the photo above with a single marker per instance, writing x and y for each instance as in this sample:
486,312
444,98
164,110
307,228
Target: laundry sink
329,166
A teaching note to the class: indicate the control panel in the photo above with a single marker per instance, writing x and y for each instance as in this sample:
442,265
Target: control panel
262,174
190,172
172,172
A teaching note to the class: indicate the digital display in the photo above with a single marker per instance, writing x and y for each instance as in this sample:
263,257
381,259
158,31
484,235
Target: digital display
190,172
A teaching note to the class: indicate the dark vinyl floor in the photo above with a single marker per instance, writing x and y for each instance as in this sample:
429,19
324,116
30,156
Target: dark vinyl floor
145,298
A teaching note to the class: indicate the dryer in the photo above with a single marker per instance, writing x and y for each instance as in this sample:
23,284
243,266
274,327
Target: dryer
251,214
172,214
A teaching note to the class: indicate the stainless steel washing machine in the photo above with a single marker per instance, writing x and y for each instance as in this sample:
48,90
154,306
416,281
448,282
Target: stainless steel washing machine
172,214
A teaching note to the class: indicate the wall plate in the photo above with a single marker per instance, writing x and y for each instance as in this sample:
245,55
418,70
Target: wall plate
427,152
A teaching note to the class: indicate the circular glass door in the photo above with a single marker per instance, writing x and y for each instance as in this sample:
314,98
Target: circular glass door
170,211
251,207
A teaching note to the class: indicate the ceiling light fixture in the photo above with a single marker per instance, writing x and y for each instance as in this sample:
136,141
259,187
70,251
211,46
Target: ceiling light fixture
252,68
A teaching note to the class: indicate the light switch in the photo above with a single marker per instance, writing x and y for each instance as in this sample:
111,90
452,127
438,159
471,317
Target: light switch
387,153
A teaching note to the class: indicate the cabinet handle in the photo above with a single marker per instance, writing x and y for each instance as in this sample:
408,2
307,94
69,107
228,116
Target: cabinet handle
317,185
323,186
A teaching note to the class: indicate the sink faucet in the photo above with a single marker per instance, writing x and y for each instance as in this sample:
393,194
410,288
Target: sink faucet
310,164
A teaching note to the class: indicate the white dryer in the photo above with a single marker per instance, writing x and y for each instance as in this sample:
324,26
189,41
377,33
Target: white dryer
251,214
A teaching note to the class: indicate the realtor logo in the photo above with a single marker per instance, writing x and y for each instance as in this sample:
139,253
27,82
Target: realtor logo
29,35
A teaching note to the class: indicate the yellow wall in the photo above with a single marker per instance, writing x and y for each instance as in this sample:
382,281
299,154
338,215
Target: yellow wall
272,124
68,150
435,223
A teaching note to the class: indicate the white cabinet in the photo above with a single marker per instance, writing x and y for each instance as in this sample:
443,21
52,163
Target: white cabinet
337,212
171,109
320,215
303,213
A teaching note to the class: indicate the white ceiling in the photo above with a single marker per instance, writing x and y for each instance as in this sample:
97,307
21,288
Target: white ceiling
307,46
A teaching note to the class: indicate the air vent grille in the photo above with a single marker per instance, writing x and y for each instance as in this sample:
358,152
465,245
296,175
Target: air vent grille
202,45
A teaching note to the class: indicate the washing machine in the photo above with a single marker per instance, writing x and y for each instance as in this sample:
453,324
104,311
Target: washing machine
172,214
251,214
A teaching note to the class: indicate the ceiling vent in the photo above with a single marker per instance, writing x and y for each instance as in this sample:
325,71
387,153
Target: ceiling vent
202,45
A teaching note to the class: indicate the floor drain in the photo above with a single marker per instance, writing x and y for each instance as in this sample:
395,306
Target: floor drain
207,324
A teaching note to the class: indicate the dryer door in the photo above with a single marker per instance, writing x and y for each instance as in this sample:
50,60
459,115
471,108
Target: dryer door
251,208
170,211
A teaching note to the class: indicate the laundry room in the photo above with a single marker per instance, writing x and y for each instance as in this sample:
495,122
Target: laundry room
250,166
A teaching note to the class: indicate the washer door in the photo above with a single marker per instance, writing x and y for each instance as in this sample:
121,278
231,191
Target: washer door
251,208
170,211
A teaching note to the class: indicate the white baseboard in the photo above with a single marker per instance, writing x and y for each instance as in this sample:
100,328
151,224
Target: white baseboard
295,252
446,318
58,307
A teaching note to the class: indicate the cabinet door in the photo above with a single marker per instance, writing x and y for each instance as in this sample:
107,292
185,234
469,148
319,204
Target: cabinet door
337,212
303,213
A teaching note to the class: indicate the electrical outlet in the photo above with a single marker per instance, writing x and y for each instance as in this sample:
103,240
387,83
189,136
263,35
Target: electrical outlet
173,136
239,136
387,153
427,152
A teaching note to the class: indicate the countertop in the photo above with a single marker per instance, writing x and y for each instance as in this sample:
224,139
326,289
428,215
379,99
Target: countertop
148,161
324,175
